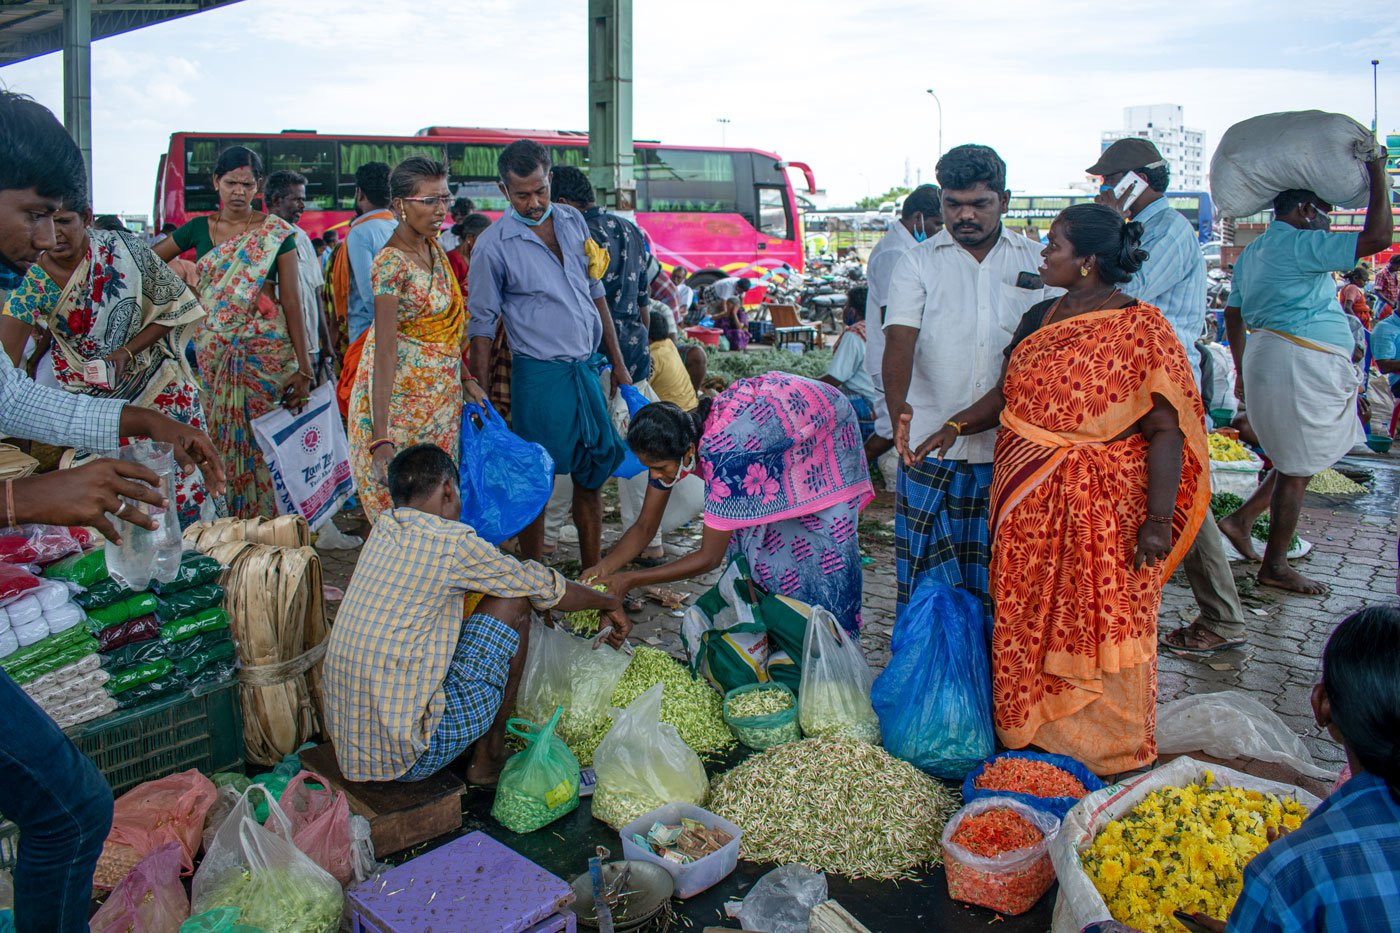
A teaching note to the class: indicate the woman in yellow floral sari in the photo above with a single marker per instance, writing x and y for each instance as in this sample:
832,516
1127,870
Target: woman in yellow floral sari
417,339
251,351
1099,485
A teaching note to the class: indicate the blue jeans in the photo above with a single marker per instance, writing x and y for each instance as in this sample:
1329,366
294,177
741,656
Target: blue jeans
63,808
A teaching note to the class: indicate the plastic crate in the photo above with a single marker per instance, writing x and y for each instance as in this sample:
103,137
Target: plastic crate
168,735
699,875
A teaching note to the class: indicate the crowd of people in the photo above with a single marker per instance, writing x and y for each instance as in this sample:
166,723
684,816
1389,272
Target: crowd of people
1043,399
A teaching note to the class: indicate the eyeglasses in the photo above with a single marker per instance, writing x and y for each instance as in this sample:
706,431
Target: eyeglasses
432,201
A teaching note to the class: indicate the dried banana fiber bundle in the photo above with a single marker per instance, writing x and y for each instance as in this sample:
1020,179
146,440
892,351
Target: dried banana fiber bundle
282,531
277,616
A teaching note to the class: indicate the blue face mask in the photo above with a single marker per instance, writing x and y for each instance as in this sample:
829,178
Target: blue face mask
920,234
533,223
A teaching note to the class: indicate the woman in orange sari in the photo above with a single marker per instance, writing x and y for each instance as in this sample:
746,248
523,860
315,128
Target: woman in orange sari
1099,484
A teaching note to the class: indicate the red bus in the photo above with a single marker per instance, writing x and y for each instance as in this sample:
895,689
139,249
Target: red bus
715,211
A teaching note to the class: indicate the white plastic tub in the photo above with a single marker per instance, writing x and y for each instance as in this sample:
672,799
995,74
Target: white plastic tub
699,875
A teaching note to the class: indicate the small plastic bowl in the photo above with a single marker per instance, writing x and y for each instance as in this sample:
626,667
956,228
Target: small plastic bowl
1379,443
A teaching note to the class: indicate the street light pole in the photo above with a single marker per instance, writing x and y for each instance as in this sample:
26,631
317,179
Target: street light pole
939,154
723,125
1375,97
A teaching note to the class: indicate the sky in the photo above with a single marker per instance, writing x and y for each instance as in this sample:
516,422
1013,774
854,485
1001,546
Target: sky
839,84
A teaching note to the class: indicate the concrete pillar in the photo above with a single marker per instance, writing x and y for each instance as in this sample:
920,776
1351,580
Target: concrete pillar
610,103
77,77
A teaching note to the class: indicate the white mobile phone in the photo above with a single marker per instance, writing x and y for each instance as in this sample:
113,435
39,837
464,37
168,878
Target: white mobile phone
1132,184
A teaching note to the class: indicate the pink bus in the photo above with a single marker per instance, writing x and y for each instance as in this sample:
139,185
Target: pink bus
715,211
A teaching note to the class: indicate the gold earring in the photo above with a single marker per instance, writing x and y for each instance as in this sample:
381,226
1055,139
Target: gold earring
1083,272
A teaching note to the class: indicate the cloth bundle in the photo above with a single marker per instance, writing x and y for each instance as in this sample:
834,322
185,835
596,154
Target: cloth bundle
74,693
47,609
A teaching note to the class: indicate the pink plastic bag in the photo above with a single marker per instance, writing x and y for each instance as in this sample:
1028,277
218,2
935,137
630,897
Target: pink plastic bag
320,824
150,899
145,818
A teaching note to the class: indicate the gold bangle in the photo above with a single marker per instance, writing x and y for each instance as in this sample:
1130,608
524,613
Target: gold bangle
956,425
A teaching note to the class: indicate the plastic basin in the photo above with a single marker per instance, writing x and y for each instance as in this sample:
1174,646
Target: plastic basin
709,336
699,875
1379,443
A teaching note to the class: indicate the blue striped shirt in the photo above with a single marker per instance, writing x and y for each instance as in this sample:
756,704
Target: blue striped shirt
1174,277
53,416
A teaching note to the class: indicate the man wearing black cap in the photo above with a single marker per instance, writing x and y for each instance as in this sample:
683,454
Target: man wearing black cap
1173,279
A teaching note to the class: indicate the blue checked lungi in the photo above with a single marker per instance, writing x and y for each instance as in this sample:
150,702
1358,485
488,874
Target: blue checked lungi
474,685
941,525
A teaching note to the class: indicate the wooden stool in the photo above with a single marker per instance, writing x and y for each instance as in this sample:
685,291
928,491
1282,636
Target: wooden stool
401,814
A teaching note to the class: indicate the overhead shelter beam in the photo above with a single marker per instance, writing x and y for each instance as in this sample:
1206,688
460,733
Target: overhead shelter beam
30,28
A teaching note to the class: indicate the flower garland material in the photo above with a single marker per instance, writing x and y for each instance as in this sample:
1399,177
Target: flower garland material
996,854
836,805
1025,776
993,832
691,705
1183,848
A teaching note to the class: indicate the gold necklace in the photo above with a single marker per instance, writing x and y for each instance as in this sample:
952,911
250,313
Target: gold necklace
1050,315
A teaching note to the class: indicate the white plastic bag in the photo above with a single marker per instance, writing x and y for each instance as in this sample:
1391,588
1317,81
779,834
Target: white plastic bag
1230,724
1080,903
259,870
1325,153
1240,477
308,456
834,698
642,764
782,900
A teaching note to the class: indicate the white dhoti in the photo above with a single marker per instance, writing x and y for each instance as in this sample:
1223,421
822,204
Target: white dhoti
1300,396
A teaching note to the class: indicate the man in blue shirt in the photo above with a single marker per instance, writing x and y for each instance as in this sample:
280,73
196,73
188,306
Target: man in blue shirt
374,223
1173,279
538,269
1296,374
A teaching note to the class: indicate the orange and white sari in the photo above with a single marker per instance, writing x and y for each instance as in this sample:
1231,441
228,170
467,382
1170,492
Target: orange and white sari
1074,647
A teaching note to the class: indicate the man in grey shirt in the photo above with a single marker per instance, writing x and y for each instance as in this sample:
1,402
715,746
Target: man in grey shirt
538,269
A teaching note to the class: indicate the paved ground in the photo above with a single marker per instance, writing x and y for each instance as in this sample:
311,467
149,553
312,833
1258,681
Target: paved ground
1354,551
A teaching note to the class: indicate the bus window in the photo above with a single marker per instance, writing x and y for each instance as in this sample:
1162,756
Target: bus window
200,156
355,154
686,180
314,158
773,213
474,173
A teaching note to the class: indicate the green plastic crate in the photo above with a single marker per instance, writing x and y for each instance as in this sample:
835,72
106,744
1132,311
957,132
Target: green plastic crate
165,736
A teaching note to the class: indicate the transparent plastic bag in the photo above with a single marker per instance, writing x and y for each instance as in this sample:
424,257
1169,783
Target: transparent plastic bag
539,784
260,871
782,900
1229,725
934,699
320,819
1009,883
565,670
642,764
834,698
150,899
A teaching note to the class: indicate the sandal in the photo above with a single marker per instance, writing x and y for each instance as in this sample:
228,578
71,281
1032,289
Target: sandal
1176,641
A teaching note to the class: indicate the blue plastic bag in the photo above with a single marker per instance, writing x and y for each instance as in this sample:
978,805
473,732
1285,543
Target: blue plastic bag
506,481
934,699
636,401
1058,806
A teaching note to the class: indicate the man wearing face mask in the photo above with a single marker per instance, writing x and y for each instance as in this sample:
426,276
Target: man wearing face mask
538,270
920,218
1173,279
1296,373
955,301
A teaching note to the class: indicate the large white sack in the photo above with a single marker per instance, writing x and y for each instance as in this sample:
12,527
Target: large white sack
1325,153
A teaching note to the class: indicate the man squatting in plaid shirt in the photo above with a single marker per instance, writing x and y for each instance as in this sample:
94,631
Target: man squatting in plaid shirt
427,650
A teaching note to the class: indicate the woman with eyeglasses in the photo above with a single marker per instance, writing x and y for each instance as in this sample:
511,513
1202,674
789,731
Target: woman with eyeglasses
417,339
251,348
785,477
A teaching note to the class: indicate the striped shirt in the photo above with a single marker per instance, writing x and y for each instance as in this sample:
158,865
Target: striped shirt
397,629
1174,277
54,416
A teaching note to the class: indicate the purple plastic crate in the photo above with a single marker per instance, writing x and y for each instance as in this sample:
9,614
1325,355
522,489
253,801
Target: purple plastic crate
473,883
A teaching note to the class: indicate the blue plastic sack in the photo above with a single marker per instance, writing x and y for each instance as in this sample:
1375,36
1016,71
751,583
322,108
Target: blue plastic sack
1059,806
934,699
506,481
636,401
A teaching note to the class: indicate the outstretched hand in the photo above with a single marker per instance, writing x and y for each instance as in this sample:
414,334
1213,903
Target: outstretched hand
938,444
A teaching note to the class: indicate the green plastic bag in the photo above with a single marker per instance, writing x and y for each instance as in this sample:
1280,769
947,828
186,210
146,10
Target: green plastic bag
725,639
138,652
206,620
198,661
174,606
50,644
103,593
177,651
537,785
82,569
81,647
218,920
764,731
141,604
195,570
156,689
129,677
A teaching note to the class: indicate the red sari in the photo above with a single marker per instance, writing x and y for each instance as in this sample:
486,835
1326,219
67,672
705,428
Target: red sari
1074,647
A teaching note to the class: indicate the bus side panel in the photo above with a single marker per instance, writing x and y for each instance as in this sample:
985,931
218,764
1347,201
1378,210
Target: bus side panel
713,241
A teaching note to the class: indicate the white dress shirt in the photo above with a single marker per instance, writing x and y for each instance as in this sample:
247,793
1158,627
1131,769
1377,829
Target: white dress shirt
966,313
310,279
879,268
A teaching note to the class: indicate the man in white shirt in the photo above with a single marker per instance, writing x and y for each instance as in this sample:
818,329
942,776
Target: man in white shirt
921,218
285,196
954,302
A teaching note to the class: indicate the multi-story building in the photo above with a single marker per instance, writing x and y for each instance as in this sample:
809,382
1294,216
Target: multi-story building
1181,146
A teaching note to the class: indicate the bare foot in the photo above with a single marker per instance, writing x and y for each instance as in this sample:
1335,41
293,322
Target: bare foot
485,773
1286,578
1238,536
654,553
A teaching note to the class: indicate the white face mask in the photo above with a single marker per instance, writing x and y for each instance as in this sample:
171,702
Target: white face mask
684,470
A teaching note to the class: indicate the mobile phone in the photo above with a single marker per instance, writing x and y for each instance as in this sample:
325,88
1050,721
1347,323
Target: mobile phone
1186,920
1028,280
1133,185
